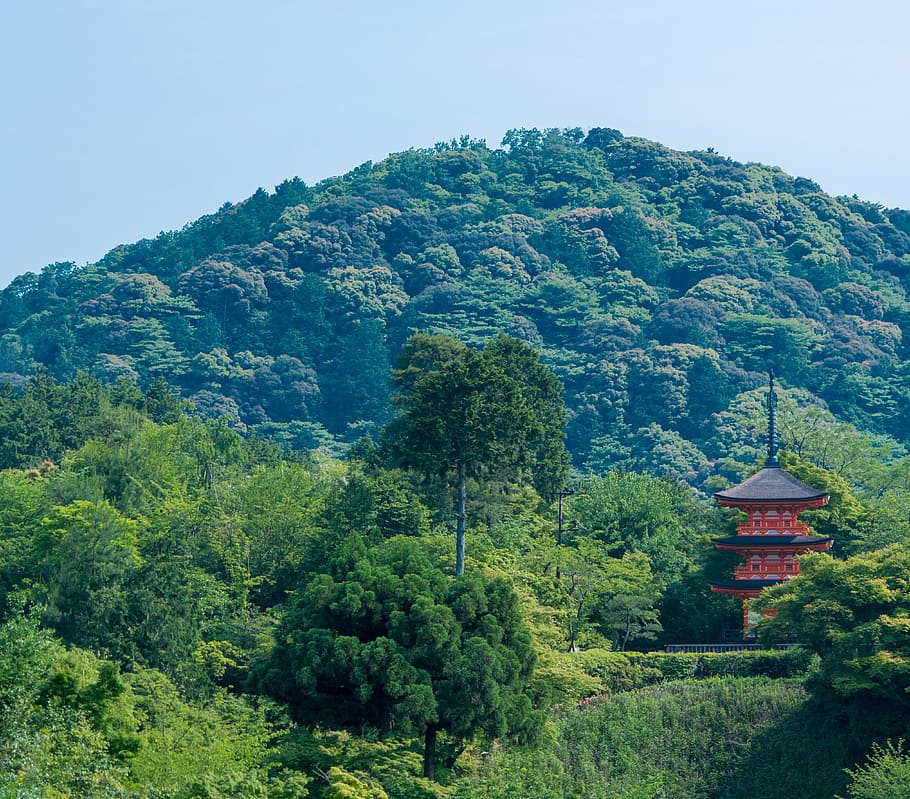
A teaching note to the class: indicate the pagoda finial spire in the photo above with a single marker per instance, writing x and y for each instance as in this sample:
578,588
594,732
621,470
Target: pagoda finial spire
773,437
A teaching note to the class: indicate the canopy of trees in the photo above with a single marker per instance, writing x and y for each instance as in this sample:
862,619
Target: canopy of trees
226,561
656,284
191,613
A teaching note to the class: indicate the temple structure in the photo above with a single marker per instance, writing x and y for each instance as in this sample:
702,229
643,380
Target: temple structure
771,536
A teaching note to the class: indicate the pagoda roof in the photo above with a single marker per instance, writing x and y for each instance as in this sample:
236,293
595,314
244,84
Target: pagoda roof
764,541
739,587
745,584
771,484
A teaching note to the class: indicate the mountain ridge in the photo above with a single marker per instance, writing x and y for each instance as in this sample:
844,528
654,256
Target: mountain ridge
659,285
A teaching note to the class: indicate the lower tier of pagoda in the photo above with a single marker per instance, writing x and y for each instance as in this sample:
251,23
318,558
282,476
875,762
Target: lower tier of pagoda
745,591
767,560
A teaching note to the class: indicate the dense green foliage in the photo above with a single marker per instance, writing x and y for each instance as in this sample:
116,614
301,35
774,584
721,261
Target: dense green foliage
729,739
162,576
658,285
251,593
855,614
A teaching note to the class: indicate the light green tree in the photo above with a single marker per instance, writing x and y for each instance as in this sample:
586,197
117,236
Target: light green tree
86,553
885,774
855,614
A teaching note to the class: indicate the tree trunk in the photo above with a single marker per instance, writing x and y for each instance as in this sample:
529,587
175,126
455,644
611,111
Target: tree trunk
429,753
627,632
460,518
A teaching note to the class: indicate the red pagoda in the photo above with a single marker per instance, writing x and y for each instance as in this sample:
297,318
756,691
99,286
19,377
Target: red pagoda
771,537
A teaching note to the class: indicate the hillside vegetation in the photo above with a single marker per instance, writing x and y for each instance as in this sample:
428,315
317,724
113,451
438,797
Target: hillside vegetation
189,614
658,285
283,506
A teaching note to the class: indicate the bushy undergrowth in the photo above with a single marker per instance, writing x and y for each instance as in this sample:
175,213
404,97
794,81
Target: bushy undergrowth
884,775
720,738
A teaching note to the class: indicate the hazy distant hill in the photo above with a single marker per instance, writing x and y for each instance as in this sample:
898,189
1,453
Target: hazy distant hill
658,284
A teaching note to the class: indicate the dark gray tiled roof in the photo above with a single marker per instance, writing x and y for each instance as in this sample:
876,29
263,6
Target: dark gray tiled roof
771,484
741,584
771,540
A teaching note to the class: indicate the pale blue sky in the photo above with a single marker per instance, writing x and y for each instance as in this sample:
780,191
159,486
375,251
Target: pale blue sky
123,118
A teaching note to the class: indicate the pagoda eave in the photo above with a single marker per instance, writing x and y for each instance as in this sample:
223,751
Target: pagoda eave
742,504
767,543
771,487
743,589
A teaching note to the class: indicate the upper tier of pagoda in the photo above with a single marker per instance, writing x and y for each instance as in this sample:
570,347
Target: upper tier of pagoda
771,486
772,497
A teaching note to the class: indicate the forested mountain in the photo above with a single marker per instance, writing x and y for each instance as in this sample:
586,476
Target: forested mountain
658,285
356,563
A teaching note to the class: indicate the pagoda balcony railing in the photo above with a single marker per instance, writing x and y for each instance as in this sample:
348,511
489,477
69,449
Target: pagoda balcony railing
745,573
794,528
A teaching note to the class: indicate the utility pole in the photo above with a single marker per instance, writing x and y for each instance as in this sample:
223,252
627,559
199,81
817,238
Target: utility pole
563,492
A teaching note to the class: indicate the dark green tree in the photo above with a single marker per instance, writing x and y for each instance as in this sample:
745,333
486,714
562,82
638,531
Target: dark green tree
478,414
543,392
389,642
161,402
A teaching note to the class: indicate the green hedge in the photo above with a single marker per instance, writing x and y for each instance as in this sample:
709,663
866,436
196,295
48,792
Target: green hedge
563,678
625,671
744,663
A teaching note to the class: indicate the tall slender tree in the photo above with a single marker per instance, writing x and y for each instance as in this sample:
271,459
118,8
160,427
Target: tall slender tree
471,414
